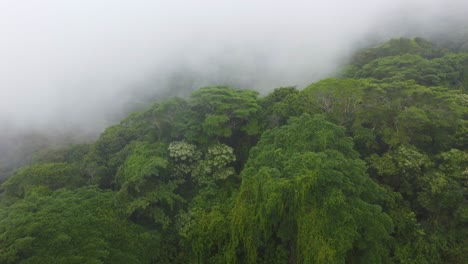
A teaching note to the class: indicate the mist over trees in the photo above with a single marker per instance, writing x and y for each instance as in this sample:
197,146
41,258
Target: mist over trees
69,70
369,166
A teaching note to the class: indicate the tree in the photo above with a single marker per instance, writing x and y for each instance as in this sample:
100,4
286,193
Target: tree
443,197
399,113
337,99
305,195
222,112
146,190
71,226
51,175
279,106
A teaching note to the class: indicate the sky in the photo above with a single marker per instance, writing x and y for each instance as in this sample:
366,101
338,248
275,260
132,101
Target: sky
77,65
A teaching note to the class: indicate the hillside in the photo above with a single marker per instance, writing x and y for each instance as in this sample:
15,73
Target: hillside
367,167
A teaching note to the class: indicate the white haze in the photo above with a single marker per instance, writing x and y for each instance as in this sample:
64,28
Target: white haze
67,64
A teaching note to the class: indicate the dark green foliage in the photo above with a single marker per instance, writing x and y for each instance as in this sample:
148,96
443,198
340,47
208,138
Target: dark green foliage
51,175
279,106
72,153
444,199
80,226
113,140
395,47
163,121
400,113
337,99
449,71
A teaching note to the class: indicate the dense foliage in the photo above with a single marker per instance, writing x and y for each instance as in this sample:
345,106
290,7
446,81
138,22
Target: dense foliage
368,167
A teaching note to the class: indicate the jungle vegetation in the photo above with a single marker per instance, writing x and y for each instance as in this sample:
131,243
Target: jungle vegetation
370,166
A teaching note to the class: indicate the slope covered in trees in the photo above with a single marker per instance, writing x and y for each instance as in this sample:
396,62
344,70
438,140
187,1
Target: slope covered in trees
369,167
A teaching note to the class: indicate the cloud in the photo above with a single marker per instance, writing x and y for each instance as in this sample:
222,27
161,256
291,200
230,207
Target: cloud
77,64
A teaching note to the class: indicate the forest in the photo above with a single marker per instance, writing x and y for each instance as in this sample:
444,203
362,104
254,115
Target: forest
367,166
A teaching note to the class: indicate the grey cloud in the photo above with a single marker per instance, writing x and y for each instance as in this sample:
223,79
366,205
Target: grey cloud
69,64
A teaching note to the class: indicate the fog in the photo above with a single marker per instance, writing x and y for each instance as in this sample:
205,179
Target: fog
80,65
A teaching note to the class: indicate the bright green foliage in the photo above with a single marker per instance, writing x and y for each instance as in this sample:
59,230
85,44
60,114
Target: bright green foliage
222,112
146,161
147,191
204,226
225,115
204,231
80,226
304,186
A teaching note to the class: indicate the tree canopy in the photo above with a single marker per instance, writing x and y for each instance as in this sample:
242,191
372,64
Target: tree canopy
370,166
